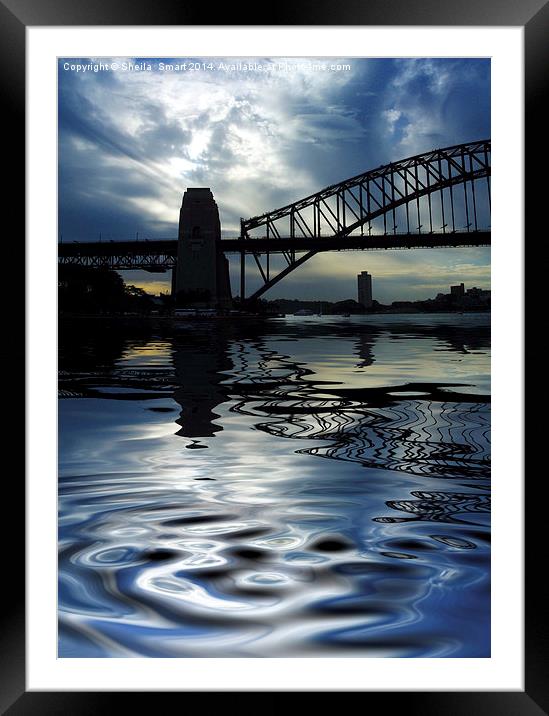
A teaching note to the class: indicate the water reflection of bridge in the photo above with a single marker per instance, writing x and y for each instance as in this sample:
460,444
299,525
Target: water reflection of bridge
423,428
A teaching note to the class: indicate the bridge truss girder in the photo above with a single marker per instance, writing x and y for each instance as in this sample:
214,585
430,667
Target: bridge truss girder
126,261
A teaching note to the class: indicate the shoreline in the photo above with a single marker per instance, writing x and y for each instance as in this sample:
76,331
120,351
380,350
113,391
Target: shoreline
258,316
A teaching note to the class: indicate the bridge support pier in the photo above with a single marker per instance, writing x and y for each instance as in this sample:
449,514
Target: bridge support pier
242,277
202,270
174,274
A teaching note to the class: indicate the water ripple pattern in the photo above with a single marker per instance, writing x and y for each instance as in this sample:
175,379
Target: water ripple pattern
293,487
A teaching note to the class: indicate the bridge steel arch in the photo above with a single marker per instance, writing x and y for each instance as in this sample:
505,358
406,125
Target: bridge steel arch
442,184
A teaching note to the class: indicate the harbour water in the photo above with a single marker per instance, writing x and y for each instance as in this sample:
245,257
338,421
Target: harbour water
301,486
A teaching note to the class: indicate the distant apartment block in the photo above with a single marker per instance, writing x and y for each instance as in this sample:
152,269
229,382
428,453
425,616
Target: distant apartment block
365,289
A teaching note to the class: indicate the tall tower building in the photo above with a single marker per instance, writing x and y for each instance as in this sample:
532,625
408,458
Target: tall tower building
365,289
201,275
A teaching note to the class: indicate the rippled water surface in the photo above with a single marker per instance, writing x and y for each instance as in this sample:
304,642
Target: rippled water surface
293,487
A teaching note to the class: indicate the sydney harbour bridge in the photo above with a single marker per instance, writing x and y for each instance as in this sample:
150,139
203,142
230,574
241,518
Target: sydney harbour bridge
438,199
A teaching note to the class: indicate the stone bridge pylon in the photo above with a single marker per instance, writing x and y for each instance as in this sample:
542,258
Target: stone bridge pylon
200,278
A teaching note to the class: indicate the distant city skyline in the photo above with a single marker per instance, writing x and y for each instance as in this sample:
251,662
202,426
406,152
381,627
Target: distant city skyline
130,143
446,290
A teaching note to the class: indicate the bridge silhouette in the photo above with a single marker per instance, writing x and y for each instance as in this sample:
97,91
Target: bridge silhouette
438,199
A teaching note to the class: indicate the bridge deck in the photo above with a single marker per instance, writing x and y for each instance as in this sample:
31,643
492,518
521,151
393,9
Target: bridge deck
168,247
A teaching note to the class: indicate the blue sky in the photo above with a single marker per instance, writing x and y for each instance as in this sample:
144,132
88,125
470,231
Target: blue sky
131,141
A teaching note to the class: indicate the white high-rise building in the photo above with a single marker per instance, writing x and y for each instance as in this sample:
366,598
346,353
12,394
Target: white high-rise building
365,289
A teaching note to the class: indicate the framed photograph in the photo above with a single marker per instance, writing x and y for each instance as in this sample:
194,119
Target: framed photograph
269,367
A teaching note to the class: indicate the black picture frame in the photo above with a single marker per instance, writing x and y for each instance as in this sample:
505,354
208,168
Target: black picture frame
533,16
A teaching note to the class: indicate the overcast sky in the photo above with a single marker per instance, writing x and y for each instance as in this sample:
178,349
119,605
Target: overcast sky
131,141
